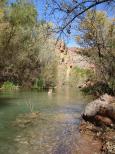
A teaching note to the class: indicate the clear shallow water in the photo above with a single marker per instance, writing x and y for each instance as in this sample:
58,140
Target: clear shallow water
55,132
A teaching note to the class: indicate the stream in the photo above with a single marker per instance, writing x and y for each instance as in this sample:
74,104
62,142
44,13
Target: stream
56,129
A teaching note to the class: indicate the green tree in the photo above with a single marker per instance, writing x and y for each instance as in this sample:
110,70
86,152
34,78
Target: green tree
25,47
97,34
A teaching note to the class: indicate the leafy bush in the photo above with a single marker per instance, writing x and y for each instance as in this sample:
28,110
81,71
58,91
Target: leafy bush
9,86
82,72
98,88
39,84
97,39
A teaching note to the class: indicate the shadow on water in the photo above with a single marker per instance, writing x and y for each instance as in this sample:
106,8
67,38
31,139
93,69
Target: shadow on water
6,101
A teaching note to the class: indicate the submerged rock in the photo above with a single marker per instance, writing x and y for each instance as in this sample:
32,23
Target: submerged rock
24,120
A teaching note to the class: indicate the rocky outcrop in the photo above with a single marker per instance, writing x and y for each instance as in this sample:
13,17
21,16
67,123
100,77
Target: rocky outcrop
101,111
86,84
61,46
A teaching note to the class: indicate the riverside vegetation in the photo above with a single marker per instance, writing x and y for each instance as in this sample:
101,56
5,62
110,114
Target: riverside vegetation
98,36
27,56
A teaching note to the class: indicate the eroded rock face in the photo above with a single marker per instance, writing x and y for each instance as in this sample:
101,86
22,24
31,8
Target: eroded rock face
61,46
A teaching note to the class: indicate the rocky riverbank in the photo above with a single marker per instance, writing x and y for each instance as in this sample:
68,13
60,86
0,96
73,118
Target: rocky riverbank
98,124
100,140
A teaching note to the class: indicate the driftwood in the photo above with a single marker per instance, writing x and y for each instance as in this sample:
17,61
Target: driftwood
101,110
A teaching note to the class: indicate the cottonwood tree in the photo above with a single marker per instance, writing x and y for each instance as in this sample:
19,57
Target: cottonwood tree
97,36
24,44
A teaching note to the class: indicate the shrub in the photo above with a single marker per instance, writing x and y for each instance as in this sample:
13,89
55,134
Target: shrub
98,88
82,72
39,84
9,86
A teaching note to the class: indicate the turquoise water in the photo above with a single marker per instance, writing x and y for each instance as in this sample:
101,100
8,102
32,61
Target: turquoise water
54,132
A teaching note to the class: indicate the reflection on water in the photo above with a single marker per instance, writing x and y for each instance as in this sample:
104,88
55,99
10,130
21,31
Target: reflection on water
54,132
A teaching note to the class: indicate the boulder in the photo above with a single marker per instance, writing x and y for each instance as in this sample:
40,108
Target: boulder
101,109
104,120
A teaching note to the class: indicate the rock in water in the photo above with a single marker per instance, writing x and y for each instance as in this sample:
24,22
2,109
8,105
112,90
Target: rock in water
104,106
94,107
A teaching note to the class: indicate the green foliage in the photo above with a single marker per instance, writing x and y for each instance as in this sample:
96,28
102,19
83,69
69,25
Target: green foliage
9,86
3,2
99,88
39,84
26,45
94,29
97,33
82,72
47,77
22,14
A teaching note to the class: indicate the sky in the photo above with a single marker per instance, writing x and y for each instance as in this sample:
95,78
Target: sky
70,41
39,4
